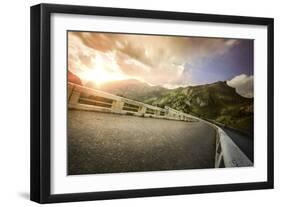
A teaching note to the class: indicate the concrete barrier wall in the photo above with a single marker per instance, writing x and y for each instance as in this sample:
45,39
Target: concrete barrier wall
83,98
228,154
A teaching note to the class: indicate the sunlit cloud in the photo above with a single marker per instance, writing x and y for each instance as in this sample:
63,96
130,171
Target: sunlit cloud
156,60
243,84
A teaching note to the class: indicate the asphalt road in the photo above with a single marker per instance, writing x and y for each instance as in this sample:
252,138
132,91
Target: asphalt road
109,143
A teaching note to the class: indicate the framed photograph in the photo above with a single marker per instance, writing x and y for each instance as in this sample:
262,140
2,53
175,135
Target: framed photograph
133,103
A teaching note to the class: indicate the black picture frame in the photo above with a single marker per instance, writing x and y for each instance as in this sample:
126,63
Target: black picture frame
41,99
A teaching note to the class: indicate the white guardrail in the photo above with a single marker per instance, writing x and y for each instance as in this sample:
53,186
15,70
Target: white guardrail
83,98
228,154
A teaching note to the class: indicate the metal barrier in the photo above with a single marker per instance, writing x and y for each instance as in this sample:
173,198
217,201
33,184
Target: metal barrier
83,98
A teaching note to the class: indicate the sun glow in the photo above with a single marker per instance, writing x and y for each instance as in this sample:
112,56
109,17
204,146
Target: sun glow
100,76
104,70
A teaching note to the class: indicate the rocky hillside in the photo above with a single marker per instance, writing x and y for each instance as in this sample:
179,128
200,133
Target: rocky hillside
218,102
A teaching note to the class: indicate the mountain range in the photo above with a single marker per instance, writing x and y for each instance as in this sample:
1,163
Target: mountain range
216,101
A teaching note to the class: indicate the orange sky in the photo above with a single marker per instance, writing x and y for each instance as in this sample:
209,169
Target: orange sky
156,60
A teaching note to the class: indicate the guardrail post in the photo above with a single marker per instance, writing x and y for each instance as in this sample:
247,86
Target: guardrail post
142,110
69,90
157,112
117,106
74,96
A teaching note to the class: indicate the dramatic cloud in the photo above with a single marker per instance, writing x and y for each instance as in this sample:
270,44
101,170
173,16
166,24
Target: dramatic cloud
157,60
89,63
243,84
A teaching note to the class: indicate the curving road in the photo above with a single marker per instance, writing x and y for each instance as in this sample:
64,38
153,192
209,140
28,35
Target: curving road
109,143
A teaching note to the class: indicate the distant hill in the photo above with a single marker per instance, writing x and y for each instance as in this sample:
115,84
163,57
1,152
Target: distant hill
132,89
217,101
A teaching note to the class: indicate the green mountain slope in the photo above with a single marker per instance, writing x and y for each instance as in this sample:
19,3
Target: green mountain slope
218,102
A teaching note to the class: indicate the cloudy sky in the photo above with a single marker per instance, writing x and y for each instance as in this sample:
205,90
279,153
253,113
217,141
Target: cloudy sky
168,61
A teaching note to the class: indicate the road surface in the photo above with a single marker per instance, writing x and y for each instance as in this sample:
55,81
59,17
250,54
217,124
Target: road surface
110,143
